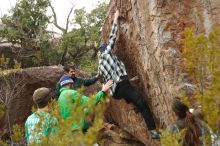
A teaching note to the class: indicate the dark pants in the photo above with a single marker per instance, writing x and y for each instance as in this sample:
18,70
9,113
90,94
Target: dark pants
125,90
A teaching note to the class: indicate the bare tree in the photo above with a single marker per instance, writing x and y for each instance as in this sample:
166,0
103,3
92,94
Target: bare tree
11,87
64,30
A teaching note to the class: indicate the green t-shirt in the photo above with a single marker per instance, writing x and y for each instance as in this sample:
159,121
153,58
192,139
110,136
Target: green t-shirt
39,124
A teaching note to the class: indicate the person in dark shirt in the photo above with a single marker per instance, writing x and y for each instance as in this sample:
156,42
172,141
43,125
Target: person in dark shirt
78,81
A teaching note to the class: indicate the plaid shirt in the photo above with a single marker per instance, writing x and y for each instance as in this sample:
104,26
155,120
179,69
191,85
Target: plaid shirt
110,67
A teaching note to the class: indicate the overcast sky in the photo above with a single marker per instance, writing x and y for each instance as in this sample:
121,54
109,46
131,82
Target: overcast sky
62,7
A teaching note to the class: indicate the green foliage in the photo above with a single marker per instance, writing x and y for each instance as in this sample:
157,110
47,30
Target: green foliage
4,70
194,49
26,26
202,57
95,20
168,139
18,134
89,66
84,37
2,143
4,62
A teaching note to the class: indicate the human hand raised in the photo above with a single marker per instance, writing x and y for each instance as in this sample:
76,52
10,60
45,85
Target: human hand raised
106,86
116,16
97,76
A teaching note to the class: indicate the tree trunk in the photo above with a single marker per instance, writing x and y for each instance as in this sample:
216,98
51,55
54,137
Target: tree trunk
149,42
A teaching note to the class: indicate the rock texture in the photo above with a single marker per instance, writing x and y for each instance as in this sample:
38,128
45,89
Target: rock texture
18,87
115,136
149,42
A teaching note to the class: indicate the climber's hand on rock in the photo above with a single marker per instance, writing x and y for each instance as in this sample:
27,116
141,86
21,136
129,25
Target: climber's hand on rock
117,13
134,79
116,16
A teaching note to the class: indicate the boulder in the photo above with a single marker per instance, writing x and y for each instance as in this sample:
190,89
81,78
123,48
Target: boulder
149,42
17,87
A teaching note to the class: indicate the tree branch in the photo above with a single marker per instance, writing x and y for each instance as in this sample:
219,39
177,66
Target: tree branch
79,53
55,19
62,58
62,29
68,17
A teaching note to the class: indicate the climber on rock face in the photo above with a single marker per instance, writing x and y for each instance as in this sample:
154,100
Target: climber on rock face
111,68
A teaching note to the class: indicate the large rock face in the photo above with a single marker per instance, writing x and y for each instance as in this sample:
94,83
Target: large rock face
149,42
17,90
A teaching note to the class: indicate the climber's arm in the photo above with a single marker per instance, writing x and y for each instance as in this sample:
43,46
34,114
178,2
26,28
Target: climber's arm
113,33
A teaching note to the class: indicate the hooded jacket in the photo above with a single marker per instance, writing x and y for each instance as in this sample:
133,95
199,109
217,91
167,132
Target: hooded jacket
69,100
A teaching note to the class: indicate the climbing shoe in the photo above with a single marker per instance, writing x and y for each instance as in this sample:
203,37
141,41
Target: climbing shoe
155,134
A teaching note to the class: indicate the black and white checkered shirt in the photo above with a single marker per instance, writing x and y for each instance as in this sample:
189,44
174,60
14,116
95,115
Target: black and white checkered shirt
110,67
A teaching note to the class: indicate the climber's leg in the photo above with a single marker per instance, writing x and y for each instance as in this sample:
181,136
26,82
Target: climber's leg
138,100
125,90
